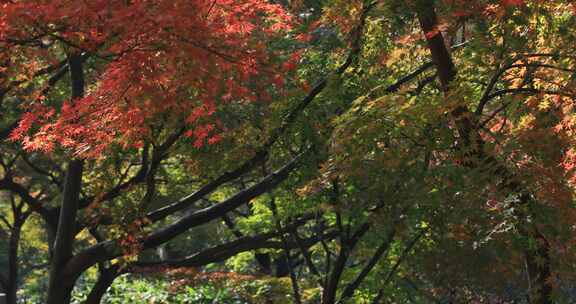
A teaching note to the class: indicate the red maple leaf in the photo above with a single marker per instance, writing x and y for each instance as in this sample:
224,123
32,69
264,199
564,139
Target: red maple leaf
204,54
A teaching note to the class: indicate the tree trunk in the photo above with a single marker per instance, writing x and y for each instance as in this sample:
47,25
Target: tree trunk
60,287
12,282
538,261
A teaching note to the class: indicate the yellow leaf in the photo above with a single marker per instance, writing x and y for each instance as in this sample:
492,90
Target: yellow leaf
544,105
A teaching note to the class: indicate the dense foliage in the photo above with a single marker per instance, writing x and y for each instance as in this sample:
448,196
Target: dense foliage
259,151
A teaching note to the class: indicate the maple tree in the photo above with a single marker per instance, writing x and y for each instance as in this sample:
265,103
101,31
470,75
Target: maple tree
365,150
149,71
155,66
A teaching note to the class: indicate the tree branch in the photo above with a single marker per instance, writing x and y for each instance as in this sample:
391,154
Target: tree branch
109,249
403,255
383,248
333,280
262,153
34,204
247,243
207,214
528,91
486,97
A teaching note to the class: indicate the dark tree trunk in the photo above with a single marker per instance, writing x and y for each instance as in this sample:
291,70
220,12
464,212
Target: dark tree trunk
12,282
538,261
59,286
281,265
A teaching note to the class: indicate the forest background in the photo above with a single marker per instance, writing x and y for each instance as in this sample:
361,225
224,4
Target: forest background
255,151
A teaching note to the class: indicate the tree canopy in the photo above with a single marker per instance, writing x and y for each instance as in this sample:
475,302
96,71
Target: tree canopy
260,151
